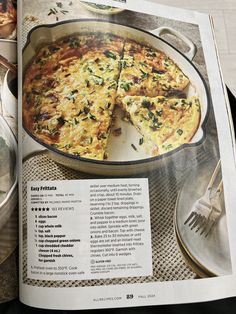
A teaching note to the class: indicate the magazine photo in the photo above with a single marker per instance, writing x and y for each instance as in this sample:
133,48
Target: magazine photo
126,156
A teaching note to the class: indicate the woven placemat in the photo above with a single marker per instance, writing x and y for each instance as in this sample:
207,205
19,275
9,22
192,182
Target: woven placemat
164,184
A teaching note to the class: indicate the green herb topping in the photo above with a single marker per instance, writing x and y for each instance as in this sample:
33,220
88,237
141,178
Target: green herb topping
126,85
141,140
98,80
146,104
72,95
180,132
109,54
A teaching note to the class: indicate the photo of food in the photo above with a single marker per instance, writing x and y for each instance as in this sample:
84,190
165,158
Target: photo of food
7,19
124,95
88,120
99,71
101,8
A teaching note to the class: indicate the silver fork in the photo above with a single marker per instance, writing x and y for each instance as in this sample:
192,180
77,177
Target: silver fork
216,210
206,210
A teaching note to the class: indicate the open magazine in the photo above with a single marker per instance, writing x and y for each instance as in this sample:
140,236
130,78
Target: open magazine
126,157
8,152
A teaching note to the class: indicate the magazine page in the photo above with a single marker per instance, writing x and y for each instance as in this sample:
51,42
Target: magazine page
127,157
8,152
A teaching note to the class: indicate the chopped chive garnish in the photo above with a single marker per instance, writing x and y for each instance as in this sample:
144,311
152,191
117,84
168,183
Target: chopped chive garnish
180,132
109,54
141,141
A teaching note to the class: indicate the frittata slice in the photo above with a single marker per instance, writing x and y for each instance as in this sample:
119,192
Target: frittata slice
164,123
148,72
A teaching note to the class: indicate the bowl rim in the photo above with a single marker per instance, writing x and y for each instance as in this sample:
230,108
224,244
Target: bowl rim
14,142
3,40
7,80
131,162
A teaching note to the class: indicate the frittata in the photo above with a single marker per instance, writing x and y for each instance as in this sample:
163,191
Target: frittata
148,72
165,123
73,84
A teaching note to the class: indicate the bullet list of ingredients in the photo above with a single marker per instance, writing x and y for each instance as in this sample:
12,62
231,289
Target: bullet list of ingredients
88,229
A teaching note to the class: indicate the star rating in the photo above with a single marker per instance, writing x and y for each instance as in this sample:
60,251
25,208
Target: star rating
40,209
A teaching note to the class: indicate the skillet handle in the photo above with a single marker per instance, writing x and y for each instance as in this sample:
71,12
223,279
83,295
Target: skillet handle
168,30
31,147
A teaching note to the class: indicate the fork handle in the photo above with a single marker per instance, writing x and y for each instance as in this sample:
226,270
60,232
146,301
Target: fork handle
215,200
219,188
214,175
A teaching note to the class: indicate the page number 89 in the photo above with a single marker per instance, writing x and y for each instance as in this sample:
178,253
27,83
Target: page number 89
129,296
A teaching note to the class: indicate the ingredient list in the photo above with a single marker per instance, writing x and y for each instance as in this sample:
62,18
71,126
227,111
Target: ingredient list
88,229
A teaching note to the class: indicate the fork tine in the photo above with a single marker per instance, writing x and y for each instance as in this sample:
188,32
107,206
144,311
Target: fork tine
195,218
205,228
213,222
205,211
202,223
191,216
196,223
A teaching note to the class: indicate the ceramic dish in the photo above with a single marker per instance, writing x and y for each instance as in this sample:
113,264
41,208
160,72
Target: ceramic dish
8,49
200,273
211,253
9,94
8,172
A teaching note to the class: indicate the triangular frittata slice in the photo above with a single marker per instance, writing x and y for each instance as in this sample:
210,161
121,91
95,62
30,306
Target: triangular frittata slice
164,123
147,71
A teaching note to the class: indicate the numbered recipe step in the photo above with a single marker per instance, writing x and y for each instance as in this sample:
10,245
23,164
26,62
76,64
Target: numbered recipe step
88,229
